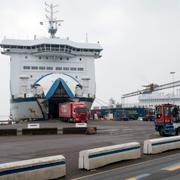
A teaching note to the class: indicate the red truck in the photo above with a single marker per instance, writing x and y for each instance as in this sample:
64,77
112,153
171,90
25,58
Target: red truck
167,121
74,112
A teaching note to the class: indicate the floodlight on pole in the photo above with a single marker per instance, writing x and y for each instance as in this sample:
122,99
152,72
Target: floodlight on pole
173,94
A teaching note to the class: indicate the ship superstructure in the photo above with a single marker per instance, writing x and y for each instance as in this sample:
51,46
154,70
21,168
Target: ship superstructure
45,72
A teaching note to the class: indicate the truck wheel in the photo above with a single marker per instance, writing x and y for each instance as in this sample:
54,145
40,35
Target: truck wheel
161,132
178,132
70,120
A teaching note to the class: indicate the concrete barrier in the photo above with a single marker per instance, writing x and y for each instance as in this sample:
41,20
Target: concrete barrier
94,158
8,132
52,167
154,146
80,130
40,131
75,130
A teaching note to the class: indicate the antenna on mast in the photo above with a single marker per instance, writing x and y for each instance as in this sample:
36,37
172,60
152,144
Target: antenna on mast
53,21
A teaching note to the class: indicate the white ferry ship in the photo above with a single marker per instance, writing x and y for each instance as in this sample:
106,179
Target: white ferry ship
45,72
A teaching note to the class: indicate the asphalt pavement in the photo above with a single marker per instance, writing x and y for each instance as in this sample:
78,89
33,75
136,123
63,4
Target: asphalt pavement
164,168
16,148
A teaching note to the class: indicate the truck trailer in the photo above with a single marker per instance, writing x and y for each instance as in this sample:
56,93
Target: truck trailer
76,112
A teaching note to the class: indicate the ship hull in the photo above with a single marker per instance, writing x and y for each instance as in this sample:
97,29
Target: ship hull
34,108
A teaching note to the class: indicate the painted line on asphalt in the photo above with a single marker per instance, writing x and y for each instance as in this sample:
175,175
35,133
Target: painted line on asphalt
139,177
119,168
172,167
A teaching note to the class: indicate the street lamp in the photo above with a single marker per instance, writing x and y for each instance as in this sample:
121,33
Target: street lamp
173,73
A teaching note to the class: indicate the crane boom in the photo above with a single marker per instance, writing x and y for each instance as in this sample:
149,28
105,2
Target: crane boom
151,88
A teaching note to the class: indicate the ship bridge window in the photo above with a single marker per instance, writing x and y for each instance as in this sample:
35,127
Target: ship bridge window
48,47
58,68
55,47
6,46
66,68
34,67
26,67
49,68
42,67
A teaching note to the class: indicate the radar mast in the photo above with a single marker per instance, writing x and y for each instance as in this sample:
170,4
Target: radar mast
53,21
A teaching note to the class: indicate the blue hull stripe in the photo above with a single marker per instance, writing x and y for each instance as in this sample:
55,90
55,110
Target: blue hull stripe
31,99
20,100
32,168
87,99
167,142
113,152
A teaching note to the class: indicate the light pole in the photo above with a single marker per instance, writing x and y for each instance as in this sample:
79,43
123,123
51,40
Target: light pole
173,73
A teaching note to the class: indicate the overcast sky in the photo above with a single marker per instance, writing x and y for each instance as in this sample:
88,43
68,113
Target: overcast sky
140,39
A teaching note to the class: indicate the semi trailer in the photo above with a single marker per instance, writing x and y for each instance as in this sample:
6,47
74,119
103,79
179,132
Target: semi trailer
74,112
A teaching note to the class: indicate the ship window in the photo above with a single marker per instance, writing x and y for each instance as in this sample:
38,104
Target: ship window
34,67
26,67
55,46
39,57
58,68
42,68
26,57
49,68
7,46
60,58
80,59
67,58
66,68
73,69
80,69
